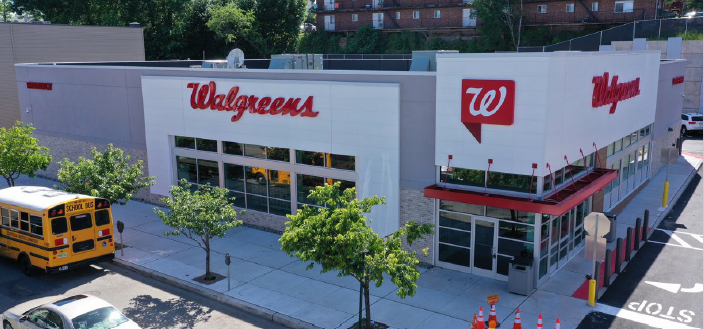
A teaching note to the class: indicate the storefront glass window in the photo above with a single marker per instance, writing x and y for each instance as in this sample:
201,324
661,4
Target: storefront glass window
206,145
646,160
547,183
234,177
453,255
456,221
502,263
640,158
462,176
239,199
344,184
558,177
232,148
187,169
634,137
455,237
647,130
618,145
255,151
279,207
632,164
256,181
624,169
306,184
565,225
626,141
641,133
310,158
543,267
516,231
515,248
511,182
345,162
462,207
278,154
279,185
257,203
610,150
186,142
208,173
510,214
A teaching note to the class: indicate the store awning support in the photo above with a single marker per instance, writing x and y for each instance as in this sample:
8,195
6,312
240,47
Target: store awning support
488,171
535,165
596,152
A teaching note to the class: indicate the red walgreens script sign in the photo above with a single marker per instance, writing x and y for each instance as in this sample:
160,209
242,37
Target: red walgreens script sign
206,97
605,94
39,85
489,102
677,80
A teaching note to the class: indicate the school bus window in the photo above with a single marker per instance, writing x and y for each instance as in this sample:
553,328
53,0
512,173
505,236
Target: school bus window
102,217
5,216
81,222
14,218
35,223
24,221
59,226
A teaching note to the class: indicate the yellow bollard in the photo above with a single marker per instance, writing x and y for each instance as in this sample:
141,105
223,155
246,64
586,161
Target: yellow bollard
592,292
664,194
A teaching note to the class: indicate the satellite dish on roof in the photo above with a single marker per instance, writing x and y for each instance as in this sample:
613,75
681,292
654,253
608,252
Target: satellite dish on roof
235,59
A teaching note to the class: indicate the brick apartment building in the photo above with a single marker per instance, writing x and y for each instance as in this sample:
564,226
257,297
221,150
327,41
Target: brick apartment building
349,15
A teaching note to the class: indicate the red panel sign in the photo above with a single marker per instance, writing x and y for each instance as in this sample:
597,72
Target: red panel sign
206,97
39,85
677,80
487,102
605,93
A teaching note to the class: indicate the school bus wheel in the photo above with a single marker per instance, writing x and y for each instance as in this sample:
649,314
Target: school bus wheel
26,265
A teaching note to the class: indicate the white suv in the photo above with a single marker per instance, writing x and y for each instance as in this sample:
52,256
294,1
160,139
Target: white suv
691,122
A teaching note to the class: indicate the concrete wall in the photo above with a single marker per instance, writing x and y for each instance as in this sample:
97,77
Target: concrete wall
670,101
692,52
35,43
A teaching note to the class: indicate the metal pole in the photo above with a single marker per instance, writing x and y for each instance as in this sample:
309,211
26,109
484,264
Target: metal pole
122,246
228,277
597,278
359,324
596,235
639,226
629,243
619,253
646,224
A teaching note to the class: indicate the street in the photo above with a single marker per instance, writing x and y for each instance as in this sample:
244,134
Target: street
150,303
662,286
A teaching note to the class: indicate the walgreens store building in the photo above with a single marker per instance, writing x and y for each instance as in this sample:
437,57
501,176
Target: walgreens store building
504,153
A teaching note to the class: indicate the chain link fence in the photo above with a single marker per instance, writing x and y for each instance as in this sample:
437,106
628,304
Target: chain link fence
654,29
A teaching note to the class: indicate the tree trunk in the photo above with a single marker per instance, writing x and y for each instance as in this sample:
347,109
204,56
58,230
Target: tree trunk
10,181
368,310
207,257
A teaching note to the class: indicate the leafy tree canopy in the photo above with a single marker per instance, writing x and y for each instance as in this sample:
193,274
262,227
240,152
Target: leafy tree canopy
20,154
199,214
338,237
108,175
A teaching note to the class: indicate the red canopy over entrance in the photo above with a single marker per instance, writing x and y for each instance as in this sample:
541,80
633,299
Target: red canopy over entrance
555,204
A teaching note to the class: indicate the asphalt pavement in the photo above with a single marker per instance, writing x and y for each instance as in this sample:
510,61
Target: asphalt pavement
662,286
150,303
692,143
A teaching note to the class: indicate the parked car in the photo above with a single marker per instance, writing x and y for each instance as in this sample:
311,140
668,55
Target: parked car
75,312
308,27
691,122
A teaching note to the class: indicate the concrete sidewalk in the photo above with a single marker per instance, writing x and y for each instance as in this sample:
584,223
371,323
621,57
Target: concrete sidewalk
572,276
267,282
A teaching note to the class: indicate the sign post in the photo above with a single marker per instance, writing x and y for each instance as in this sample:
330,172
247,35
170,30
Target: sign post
597,226
227,262
666,157
120,228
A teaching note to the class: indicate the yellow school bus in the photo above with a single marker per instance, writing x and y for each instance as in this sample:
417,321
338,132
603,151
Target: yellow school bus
53,230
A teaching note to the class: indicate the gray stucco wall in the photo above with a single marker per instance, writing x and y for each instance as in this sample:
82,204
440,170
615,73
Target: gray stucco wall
104,105
669,103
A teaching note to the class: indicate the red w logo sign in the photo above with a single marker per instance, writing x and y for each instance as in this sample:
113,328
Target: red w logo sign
487,102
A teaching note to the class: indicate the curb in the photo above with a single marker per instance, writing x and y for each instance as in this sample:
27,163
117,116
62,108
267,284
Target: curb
678,194
663,213
257,310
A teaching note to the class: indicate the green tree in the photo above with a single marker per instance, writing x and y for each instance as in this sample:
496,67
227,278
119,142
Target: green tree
337,237
200,215
20,154
501,24
279,23
108,175
237,27
319,42
366,40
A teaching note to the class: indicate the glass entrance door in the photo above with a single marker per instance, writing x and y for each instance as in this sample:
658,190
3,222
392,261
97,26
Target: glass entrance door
484,251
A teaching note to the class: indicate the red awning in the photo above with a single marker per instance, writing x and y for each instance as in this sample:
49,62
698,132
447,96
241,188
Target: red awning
555,204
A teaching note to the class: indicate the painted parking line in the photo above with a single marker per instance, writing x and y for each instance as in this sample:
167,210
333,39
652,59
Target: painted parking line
648,314
680,242
676,245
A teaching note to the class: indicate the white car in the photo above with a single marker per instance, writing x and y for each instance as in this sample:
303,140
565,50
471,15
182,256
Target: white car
75,312
691,122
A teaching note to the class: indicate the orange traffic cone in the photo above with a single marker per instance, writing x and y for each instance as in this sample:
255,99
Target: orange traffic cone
474,322
492,314
480,319
557,324
517,320
540,322
492,324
